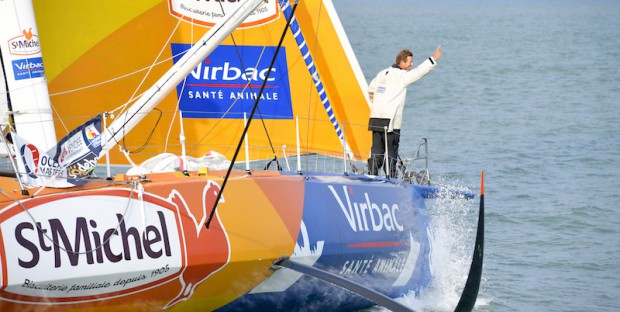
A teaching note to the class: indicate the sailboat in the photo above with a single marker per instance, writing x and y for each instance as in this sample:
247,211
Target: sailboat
233,136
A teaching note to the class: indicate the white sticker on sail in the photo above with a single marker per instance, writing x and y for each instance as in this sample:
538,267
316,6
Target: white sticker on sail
209,13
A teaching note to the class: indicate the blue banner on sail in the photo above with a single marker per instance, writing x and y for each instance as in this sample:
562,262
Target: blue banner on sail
228,83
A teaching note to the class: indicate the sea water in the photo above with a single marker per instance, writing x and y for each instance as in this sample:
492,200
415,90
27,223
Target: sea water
529,92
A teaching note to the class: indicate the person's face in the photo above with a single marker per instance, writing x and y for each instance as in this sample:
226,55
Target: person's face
406,64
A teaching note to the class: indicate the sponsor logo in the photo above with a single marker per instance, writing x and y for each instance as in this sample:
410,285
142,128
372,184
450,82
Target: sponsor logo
96,244
72,146
30,158
37,163
28,68
208,13
393,264
93,137
82,167
377,217
25,44
220,81
76,146
118,242
364,214
228,73
69,242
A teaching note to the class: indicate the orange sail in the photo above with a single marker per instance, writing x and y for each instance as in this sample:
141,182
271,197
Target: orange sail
111,53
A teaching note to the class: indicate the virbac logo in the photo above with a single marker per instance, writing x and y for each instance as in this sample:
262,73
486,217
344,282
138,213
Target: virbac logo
28,68
367,215
231,73
222,87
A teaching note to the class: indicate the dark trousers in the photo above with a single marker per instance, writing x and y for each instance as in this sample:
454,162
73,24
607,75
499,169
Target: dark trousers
377,152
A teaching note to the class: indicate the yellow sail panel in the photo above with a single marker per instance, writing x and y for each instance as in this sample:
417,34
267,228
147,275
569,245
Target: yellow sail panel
78,25
95,77
339,71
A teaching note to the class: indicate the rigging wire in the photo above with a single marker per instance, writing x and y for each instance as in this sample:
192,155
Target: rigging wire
116,132
245,130
135,95
148,138
273,151
182,92
177,107
163,48
121,108
248,85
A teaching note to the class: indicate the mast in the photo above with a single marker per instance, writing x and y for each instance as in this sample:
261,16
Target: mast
175,75
24,92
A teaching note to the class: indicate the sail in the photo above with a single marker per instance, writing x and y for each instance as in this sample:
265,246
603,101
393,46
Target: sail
100,56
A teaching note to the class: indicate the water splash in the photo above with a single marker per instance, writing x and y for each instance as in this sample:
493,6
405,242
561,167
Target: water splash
452,233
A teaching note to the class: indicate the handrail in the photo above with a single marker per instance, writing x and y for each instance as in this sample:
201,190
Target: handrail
410,175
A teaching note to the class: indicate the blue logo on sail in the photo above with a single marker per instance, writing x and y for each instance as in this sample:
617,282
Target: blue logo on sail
28,68
228,83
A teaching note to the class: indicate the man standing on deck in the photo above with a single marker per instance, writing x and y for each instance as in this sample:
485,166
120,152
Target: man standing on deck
387,93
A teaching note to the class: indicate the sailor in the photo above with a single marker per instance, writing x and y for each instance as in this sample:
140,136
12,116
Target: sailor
387,93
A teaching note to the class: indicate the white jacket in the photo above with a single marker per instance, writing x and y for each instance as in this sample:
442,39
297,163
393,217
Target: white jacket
390,88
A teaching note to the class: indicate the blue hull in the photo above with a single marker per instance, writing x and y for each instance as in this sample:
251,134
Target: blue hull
371,231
